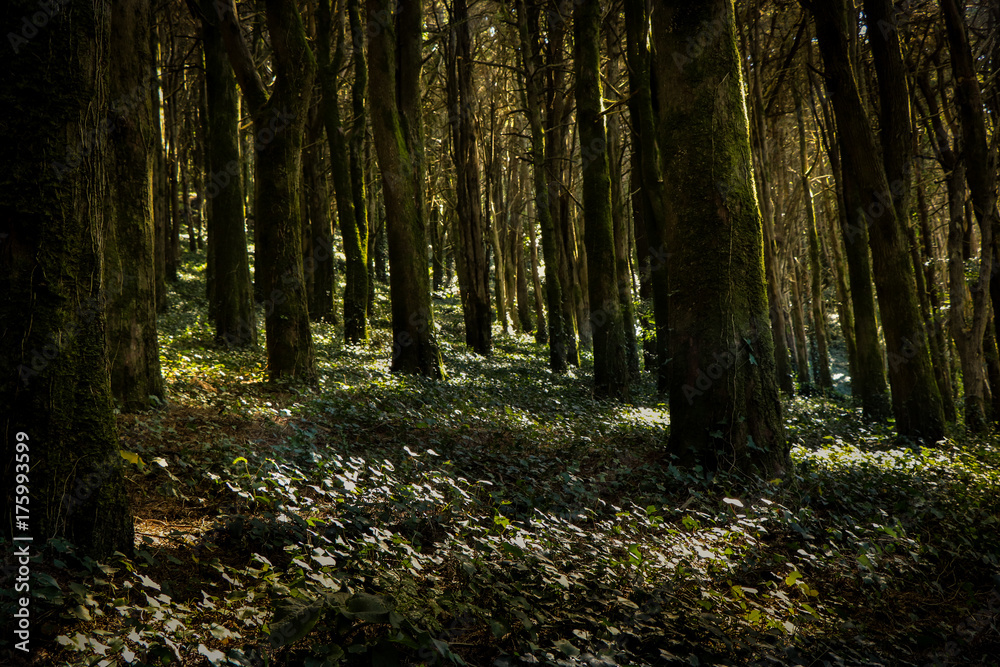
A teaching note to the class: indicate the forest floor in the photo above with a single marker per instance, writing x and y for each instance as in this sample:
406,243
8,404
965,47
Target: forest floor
503,517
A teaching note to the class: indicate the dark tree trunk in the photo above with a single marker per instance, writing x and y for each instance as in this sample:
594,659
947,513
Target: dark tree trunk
611,370
394,62
161,212
55,389
345,157
474,269
654,205
799,329
231,298
129,274
279,125
528,28
724,402
319,259
916,401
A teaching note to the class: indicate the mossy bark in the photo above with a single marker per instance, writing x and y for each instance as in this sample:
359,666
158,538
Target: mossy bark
55,384
394,59
129,271
231,295
474,269
916,402
611,371
724,404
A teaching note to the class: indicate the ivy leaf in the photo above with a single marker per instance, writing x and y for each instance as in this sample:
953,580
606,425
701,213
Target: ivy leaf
293,619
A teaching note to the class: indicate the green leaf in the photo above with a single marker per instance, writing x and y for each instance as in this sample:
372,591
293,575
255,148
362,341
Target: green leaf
567,648
370,608
293,619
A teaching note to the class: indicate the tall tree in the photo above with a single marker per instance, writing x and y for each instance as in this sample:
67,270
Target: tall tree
394,64
279,123
474,269
980,161
230,295
724,402
54,380
129,270
531,68
346,145
611,372
916,402
651,208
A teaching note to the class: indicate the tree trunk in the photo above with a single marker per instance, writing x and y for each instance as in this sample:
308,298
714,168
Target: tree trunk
823,378
319,261
799,326
345,158
654,206
541,332
55,390
394,61
129,278
916,401
161,212
528,29
474,269
611,369
724,402
279,125
231,297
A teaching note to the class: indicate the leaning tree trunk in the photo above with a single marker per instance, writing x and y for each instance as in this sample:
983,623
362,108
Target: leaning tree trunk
724,403
394,58
232,296
55,390
474,269
611,371
129,270
279,125
916,401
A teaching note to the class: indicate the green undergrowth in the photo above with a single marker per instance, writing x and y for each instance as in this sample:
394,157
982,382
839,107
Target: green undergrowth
503,517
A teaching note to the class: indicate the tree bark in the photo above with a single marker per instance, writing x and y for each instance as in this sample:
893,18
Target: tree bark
394,61
724,402
611,370
528,30
231,296
916,401
54,381
279,124
474,269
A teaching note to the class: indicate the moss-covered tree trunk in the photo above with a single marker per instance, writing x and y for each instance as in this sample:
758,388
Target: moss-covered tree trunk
724,404
279,125
394,62
345,155
916,402
611,371
474,269
531,64
129,269
54,382
652,203
231,295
